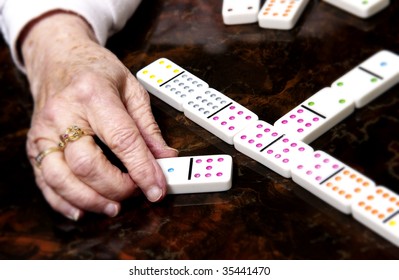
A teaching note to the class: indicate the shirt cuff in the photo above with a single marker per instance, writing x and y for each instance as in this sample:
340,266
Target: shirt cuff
105,17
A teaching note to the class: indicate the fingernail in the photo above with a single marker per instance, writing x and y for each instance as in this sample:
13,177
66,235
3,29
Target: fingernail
172,149
154,194
111,210
74,215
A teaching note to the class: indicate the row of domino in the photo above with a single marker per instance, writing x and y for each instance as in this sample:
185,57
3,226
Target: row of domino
283,147
283,14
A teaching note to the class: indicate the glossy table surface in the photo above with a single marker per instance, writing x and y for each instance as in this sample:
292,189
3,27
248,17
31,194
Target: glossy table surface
263,216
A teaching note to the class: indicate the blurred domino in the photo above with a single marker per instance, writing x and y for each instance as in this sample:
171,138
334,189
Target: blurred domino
270,147
281,14
316,115
197,174
240,11
330,180
169,82
370,79
360,8
378,209
218,114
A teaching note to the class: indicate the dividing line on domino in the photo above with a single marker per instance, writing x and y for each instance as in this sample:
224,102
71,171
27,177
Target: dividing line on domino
316,115
360,8
169,82
370,79
329,179
269,146
197,174
378,209
218,113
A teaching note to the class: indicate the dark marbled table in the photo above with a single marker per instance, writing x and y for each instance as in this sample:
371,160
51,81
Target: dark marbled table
263,216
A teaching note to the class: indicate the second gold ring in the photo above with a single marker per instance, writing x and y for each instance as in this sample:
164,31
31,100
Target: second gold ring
71,134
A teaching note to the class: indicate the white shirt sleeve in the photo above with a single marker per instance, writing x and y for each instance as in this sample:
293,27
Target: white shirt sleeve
105,16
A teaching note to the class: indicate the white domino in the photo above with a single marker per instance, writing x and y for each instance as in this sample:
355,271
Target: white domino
316,115
240,11
270,147
360,8
281,14
169,82
218,114
330,180
197,174
370,79
378,209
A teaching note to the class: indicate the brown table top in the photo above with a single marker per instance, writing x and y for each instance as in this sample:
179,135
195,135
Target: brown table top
263,216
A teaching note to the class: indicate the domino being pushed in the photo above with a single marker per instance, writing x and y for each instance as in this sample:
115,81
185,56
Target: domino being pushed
270,147
218,114
378,209
240,11
370,79
360,8
169,82
197,174
330,180
281,14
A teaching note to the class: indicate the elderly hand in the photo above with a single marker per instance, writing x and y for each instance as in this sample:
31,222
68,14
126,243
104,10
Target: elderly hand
75,81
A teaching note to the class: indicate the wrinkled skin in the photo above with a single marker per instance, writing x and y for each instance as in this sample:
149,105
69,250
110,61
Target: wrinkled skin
75,81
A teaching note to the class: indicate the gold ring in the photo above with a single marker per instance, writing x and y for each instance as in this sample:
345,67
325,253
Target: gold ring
39,158
72,133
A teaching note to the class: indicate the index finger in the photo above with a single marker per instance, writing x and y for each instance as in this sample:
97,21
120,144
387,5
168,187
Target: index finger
119,132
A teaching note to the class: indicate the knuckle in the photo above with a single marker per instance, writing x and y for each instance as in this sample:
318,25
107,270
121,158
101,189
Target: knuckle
124,140
139,99
153,128
85,87
144,96
143,103
83,165
153,135
127,143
